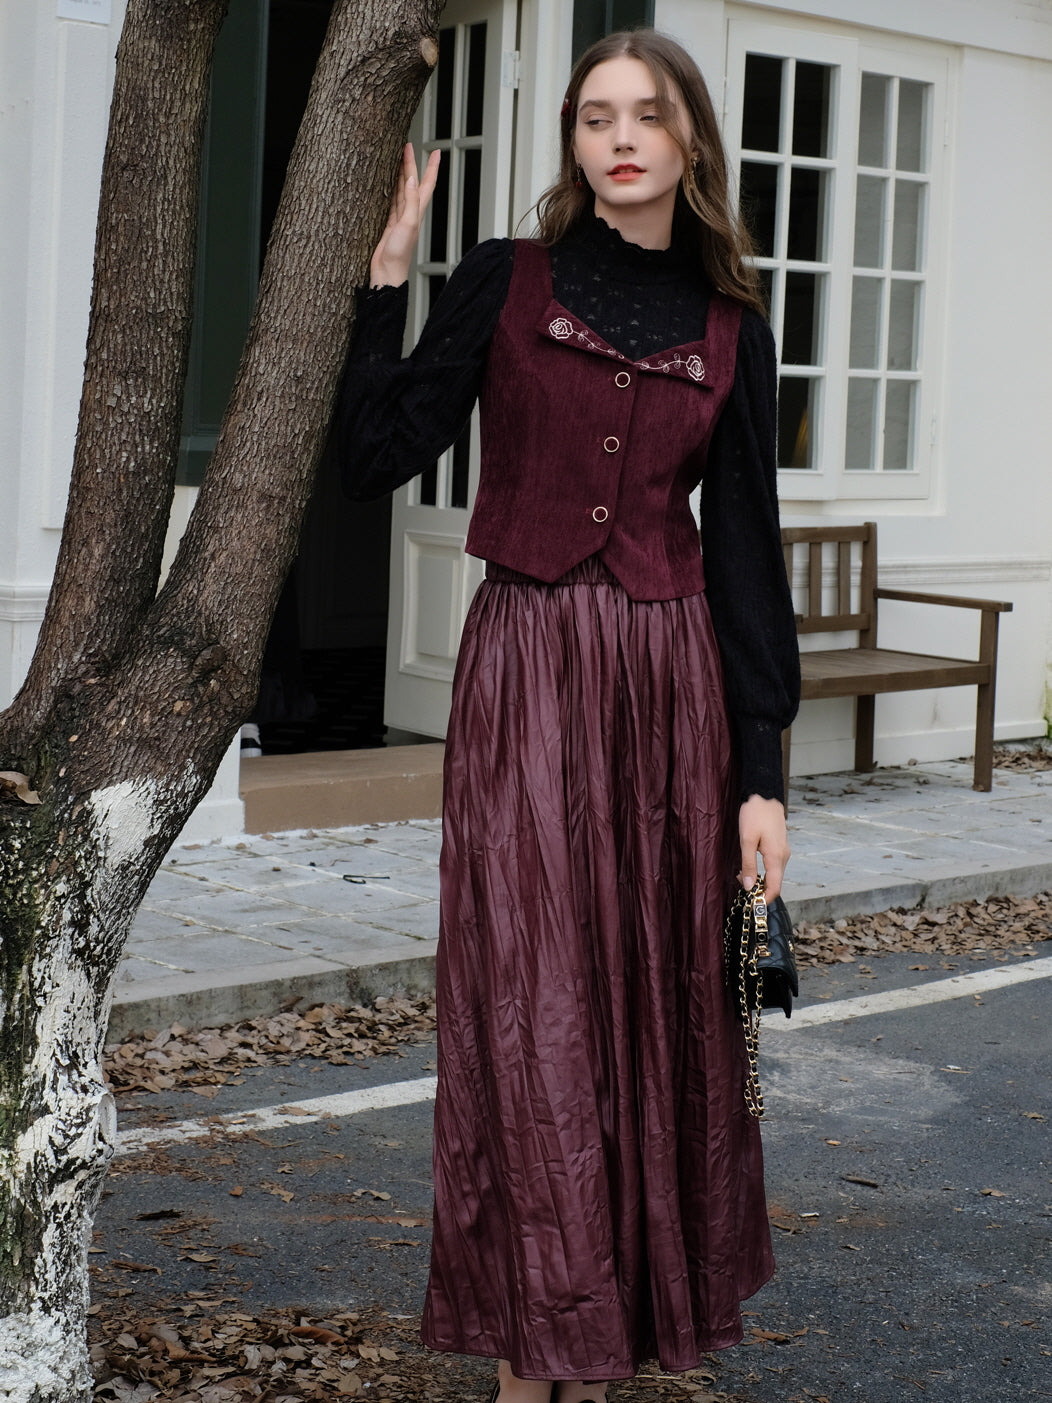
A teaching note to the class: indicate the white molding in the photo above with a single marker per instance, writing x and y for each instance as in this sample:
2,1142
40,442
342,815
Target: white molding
968,570
959,570
23,604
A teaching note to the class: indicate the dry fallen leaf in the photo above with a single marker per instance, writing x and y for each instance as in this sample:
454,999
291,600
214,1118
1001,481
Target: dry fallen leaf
17,783
315,1332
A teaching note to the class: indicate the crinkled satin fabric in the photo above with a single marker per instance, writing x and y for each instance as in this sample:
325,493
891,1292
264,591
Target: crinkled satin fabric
598,1184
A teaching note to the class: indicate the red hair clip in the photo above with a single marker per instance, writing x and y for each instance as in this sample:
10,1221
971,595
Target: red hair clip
564,111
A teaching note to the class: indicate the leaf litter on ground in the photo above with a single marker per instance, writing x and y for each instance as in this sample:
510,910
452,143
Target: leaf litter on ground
193,1354
997,928
177,1056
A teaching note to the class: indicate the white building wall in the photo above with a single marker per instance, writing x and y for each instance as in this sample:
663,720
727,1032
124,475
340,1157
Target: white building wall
56,75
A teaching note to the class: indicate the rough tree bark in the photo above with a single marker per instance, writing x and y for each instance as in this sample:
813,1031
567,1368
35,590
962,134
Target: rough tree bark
133,695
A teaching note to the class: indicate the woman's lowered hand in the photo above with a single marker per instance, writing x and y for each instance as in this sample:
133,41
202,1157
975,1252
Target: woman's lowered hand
761,828
394,253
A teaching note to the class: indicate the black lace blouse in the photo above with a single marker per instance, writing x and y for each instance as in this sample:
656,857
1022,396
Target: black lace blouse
396,416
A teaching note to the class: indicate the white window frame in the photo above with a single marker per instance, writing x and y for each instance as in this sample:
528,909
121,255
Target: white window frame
850,55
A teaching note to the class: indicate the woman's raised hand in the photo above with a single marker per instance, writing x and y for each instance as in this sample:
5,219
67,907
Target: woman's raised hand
394,253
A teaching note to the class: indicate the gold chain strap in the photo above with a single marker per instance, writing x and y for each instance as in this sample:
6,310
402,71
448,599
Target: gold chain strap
753,907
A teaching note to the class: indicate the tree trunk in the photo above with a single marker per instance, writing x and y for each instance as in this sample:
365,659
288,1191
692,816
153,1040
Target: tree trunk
133,697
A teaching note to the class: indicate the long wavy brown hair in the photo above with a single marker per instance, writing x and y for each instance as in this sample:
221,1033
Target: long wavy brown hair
704,201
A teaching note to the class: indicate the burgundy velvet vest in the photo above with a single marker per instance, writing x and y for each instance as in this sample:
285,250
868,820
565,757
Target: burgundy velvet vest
585,452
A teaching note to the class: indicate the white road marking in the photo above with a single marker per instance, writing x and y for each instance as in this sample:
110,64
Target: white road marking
346,1103
405,1093
916,995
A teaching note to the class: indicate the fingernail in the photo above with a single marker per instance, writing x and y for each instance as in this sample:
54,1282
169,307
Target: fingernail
411,182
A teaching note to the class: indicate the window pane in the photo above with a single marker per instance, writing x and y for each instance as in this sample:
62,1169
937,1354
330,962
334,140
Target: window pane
802,323
443,109
861,425
471,195
869,221
761,116
427,488
898,425
865,322
629,14
759,202
435,283
476,80
807,214
911,146
873,121
594,18
461,454
439,212
907,227
767,276
902,325
796,407
811,110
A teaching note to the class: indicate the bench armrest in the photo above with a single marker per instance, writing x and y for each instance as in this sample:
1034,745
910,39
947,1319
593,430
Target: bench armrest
955,601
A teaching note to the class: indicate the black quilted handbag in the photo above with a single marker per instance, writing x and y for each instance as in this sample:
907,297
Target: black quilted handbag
760,970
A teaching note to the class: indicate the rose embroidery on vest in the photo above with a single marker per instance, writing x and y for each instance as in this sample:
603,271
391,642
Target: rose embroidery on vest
693,365
561,328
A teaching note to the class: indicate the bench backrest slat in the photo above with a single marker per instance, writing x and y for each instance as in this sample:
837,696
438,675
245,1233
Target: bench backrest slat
833,611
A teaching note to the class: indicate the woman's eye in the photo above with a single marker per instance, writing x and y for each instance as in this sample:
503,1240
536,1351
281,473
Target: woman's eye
649,117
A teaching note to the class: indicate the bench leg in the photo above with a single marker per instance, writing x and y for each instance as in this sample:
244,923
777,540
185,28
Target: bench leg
983,776
786,743
864,711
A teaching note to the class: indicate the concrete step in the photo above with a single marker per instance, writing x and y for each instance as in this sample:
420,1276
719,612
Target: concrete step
336,788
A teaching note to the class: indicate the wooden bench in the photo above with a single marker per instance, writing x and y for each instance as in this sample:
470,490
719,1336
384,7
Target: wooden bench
865,670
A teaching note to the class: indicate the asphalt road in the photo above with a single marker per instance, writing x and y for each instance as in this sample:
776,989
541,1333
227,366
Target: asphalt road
909,1174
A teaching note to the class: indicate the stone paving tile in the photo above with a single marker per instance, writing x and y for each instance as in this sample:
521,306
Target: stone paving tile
157,925
961,851
212,950
333,937
420,921
410,838
133,971
351,899
227,908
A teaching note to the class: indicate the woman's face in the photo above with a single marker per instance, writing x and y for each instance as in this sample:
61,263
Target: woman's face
627,155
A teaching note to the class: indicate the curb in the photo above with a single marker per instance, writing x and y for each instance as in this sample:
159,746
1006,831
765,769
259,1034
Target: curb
831,903
213,1001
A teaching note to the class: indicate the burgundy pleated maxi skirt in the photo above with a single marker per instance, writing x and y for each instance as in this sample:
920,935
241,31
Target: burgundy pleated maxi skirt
598,1182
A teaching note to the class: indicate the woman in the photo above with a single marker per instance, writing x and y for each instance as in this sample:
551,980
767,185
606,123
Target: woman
598,1183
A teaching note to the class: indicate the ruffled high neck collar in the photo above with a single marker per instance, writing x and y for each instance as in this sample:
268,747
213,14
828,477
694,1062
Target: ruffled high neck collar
622,259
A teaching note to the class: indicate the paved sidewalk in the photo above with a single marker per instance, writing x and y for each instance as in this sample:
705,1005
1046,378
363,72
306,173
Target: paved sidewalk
228,930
